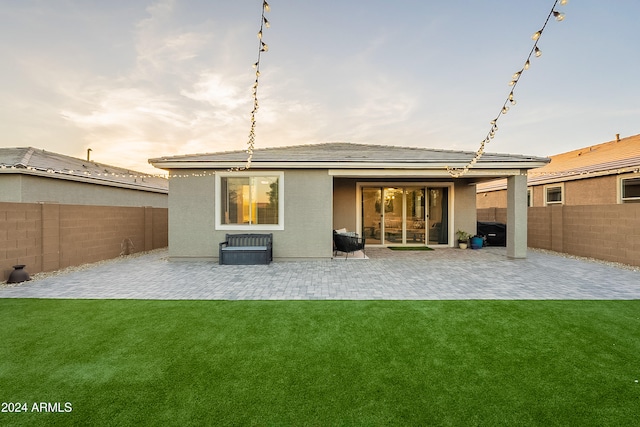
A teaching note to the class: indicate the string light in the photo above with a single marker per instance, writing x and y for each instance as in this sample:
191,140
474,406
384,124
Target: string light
515,78
262,47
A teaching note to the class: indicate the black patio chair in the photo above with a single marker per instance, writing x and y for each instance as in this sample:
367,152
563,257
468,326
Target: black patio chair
347,243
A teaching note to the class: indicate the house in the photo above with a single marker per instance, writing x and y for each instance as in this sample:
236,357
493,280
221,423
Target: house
30,175
584,202
392,195
58,211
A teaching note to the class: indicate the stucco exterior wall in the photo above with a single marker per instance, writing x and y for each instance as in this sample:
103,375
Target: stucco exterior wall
308,204
344,204
492,199
590,191
465,213
308,210
192,216
10,188
35,189
593,191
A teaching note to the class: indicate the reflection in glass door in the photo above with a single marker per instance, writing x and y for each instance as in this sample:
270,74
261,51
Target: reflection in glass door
438,215
394,216
372,215
393,212
415,216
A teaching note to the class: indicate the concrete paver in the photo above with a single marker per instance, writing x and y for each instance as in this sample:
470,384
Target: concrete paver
389,275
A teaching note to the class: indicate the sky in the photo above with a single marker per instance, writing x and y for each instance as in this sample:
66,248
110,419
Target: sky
138,79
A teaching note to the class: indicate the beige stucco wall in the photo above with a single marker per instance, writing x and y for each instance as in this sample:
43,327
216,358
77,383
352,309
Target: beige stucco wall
344,204
10,188
465,215
191,215
492,199
308,212
580,192
35,189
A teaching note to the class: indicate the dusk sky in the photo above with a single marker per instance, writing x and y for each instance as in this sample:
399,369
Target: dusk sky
137,79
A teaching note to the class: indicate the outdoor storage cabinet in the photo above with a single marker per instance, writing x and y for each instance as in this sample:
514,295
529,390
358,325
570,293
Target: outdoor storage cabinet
246,249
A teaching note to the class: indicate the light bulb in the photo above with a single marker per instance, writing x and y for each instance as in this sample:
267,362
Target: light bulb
536,35
260,34
516,76
563,2
559,16
505,109
266,23
538,52
266,6
527,65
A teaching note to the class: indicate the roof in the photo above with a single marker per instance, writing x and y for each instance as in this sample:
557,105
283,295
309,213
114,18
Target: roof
32,161
347,155
609,158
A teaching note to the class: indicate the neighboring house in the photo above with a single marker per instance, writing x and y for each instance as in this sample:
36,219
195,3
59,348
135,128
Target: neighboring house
391,195
58,211
603,174
29,175
584,202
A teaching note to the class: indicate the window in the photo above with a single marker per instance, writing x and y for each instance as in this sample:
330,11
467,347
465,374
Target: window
249,201
630,190
553,194
530,196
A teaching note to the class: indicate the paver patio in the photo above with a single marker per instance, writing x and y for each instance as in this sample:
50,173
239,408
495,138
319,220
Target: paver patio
404,275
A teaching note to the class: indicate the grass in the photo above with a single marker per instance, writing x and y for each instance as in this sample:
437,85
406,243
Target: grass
322,363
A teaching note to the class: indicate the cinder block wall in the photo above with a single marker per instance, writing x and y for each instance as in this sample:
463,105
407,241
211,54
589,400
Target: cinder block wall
48,236
606,232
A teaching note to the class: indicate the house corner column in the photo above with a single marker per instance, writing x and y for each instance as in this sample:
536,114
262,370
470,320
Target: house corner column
517,216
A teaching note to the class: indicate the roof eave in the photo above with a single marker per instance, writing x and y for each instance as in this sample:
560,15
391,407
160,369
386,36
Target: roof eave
173,164
93,180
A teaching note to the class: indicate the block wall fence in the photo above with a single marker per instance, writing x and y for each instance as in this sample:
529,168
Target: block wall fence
605,232
49,236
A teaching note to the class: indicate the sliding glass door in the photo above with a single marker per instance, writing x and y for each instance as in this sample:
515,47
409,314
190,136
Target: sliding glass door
411,215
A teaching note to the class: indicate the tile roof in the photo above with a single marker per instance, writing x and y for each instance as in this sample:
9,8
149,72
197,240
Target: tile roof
347,153
608,158
29,160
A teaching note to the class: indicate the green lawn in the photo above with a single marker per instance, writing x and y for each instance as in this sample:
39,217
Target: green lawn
322,363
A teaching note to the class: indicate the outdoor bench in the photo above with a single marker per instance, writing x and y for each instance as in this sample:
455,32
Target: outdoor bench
246,249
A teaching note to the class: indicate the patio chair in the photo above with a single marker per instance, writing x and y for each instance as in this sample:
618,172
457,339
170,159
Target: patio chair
347,243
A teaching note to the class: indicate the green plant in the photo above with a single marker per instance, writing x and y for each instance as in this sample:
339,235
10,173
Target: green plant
463,236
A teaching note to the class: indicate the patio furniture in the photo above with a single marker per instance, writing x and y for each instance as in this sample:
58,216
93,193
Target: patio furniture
347,243
246,249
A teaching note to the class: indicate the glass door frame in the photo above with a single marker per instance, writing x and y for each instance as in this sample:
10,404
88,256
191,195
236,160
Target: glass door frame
404,185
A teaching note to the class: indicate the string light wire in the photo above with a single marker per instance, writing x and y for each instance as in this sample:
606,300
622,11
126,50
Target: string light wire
510,101
262,47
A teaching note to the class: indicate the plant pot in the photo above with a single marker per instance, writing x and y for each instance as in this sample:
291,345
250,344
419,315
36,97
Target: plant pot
477,242
462,245
18,274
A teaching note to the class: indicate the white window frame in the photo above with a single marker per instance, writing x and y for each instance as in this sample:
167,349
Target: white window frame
621,198
248,227
562,195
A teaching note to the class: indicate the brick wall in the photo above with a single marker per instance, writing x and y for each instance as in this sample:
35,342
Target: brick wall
48,237
606,232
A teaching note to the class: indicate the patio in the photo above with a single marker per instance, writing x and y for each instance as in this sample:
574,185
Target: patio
442,274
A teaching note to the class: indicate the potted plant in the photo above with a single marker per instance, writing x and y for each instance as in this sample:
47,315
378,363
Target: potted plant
463,239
